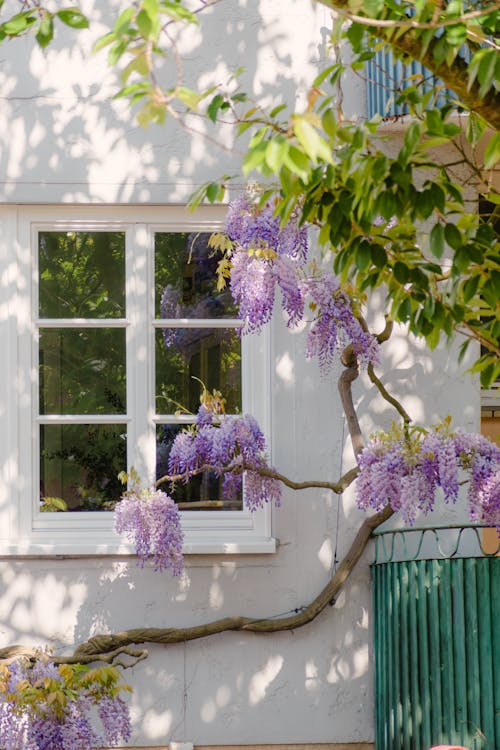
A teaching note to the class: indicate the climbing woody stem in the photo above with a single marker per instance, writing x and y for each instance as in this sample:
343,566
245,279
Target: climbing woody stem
106,647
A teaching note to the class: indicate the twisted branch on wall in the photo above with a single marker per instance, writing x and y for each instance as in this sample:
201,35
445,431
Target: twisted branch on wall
108,647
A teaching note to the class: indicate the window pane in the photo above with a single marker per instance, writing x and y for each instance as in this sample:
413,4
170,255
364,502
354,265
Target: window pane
186,356
185,278
82,371
202,492
80,463
82,274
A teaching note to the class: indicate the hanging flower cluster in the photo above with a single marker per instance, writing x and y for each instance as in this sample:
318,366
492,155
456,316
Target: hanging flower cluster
406,470
230,446
267,256
45,707
150,520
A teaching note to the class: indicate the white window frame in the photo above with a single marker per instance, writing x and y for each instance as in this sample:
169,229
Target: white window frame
91,533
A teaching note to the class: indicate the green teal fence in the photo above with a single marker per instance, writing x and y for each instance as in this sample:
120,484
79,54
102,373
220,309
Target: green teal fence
437,643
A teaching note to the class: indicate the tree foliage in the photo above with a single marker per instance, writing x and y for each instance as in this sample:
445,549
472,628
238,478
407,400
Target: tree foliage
402,222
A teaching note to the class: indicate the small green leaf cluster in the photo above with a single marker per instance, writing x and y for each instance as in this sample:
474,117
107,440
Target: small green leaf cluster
35,17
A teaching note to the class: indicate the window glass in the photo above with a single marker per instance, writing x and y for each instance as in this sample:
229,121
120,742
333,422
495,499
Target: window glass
82,362
82,371
82,274
186,278
188,357
80,463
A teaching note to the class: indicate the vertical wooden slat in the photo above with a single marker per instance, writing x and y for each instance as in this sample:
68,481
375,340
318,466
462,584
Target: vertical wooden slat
422,577
495,615
405,646
435,652
447,666
457,590
396,640
471,638
416,709
485,634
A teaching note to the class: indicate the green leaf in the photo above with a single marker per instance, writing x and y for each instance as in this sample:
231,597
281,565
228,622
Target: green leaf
486,71
73,17
276,153
432,338
188,97
476,126
214,106
275,111
144,24
17,24
401,272
492,151
313,144
45,31
178,12
104,41
254,158
379,256
452,236
470,288
329,122
363,256
404,310
434,121
213,191
298,163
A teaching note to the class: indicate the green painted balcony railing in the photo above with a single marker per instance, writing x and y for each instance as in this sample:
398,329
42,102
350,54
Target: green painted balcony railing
437,640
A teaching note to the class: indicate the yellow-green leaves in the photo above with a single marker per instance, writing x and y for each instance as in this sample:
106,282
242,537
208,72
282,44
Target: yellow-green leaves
305,127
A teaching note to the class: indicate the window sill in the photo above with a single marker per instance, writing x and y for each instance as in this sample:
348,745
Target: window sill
96,538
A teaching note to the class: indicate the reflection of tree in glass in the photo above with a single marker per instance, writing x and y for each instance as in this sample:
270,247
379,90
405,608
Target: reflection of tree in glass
82,371
186,287
81,463
82,274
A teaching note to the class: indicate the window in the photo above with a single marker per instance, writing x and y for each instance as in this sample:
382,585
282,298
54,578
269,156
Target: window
125,326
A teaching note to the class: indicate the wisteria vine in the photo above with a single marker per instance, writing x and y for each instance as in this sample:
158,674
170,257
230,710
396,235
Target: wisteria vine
266,256
233,447
405,468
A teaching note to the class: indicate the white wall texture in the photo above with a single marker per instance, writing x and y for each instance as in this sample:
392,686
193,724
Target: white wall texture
64,140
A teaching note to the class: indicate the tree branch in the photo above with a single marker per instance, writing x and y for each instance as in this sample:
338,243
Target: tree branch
385,394
337,487
350,362
106,647
454,76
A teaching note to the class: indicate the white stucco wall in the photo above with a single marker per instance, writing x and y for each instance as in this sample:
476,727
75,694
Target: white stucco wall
63,140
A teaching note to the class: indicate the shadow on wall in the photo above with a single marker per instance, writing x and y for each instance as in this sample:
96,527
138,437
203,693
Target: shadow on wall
211,690
66,139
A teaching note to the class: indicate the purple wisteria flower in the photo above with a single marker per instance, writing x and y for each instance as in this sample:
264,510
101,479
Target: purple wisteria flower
150,520
31,720
268,256
335,326
405,471
231,446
